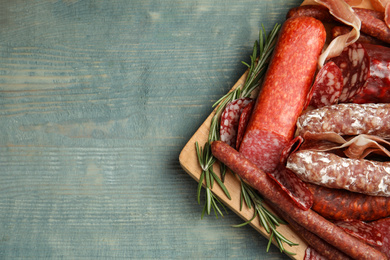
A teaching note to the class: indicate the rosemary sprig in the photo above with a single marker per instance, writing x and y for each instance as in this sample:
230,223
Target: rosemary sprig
268,221
261,54
206,161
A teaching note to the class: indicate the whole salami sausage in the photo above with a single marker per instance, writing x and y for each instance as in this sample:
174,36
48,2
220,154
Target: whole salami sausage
347,119
371,22
332,171
377,86
363,38
339,204
308,219
283,96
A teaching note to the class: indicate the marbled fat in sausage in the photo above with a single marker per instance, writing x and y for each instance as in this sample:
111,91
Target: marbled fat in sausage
377,86
308,219
354,64
230,120
384,226
283,96
332,171
347,119
327,86
340,204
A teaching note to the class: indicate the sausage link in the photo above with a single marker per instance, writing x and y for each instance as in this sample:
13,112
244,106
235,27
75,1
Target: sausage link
308,219
339,204
332,171
347,119
372,22
322,247
283,95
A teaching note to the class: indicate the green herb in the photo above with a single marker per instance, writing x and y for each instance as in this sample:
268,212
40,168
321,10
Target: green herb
262,51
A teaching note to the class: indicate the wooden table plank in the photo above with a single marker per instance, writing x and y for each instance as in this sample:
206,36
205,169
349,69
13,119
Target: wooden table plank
97,99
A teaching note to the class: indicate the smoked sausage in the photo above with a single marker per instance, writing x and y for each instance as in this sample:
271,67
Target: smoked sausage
332,171
372,22
347,119
283,96
308,219
339,204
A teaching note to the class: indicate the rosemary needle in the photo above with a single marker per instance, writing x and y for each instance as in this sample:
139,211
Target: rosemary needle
262,50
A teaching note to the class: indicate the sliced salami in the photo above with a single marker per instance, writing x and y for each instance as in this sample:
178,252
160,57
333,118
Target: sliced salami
230,119
243,122
312,254
377,86
362,230
327,86
332,171
354,63
384,226
295,188
290,148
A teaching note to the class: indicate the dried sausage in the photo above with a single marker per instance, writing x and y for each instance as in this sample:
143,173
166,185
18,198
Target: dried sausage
354,64
283,95
307,219
371,22
230,120
339,204
332,171
347,119
377,86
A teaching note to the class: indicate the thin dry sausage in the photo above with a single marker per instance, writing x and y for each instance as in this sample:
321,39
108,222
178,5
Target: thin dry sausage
309,219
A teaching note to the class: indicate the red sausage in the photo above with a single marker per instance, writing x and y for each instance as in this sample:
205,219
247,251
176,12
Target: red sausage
230,120
306,218
316,11
363,38
354,64
371,22
283,96
327,86
384,226
377,87
340,204
322,249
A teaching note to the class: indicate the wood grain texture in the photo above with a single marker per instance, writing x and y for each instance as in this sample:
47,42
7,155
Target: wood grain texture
97,99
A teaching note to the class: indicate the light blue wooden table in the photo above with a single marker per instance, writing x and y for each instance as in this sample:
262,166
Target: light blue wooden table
97,99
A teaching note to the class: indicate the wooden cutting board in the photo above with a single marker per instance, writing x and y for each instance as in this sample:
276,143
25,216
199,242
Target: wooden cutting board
189,161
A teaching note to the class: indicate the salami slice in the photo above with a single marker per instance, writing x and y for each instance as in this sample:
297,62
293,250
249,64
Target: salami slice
377,86
354,63
327,86
243,122
230,119
332,171
384,226
362,230
312,254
